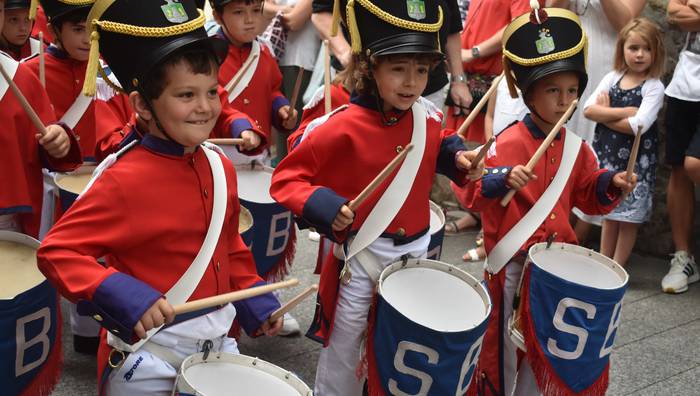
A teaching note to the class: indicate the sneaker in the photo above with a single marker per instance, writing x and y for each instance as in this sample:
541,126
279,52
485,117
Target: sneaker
683,272
314,236
290,326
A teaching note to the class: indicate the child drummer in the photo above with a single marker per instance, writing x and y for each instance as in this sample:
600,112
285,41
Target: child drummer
129,215
545,51
343,154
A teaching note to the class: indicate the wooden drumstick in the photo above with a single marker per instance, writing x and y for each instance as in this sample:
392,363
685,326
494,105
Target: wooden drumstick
226,141
543,147
231,297
361,197
482,152
633,154
42,62
485,99
327,77
297,88
23,101
292,303
246,65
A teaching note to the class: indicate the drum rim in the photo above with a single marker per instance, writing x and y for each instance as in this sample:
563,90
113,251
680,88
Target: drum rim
22,239
597,257
83,170
287,376
475,284
254,166
434,207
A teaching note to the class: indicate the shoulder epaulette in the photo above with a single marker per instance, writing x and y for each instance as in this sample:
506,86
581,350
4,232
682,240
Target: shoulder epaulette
431,111
317,97
320,120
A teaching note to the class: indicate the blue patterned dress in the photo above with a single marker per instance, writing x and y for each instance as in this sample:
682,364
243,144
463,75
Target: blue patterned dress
613,150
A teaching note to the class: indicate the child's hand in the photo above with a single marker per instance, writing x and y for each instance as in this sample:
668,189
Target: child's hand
464,161
55,141
343,219
603,99
251,140
271,329
620,181
288,115
519,176
160,313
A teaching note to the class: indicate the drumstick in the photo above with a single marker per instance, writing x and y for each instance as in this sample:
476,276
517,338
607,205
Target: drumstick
223,299
297,88
292,303
23,101
633,154
241,72
327,77
485,99
226,141
355,203
42,63
482,153
543,147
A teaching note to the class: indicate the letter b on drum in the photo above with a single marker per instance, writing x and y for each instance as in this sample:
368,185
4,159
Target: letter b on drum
23,344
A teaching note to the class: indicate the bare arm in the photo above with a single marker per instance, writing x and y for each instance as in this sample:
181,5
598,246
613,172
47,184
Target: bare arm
339,46
488,47
620,12
679,13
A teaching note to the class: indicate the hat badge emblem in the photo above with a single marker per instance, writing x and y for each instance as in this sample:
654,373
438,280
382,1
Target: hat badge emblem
174,11
416,9
545,44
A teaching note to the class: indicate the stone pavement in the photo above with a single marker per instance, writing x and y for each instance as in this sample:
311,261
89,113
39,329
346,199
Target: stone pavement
657,351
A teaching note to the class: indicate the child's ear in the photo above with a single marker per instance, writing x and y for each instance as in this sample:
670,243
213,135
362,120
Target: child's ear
138,103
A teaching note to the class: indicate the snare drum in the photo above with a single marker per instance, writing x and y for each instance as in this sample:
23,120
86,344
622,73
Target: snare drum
426,329
274,235
72,184
228,374
437,231
570,300
30,331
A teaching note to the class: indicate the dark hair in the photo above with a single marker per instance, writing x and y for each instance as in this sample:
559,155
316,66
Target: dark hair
360,68
198,60
220,8
75,16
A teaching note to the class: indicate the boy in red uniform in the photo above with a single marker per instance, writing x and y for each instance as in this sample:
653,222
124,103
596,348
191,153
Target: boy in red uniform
24,152
16,32
257,91
546,52
343,154
150,211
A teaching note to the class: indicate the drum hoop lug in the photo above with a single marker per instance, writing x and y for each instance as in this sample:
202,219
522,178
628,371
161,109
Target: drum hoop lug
550,239
116,366
206,348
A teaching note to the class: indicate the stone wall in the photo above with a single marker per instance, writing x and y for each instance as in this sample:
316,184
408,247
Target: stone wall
655,236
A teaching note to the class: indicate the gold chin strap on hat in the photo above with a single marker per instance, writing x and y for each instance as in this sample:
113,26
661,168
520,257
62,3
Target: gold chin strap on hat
34,4
355,41
129,30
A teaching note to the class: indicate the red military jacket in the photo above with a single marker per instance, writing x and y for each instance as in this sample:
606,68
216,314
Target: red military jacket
317,108
262,98
64,82
588,188
147,215
22,156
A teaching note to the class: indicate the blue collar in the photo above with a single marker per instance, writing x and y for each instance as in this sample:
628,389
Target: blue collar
162,146
56,52
535,131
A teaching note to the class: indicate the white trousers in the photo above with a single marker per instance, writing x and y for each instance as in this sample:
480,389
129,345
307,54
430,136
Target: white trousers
338,363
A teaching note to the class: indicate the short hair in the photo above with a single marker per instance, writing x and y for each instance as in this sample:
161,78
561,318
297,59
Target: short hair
220,8
361,66
199,61
76,16
653,35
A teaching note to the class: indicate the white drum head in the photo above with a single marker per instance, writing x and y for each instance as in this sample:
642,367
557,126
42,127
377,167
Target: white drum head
435,295
240,375
76,181
254,183
437,218
579,265
18,264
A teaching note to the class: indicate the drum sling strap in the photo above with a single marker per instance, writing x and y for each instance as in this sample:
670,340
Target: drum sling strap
76,111
10,66
246,71
389,203
506,248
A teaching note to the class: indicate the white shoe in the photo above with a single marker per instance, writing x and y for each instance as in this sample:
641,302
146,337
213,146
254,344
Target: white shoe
290,326
683,272
314,236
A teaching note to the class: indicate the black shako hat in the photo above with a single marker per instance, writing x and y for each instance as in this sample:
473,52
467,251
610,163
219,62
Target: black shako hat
17,4
58,8
543,42
134,36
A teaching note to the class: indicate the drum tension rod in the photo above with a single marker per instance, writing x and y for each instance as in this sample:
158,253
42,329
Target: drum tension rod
208,345
550,239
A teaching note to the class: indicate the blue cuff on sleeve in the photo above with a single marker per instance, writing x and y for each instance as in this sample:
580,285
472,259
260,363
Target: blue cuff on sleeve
238,126
321,209
446,158
493,183
277,104
253,312
120,301
602,189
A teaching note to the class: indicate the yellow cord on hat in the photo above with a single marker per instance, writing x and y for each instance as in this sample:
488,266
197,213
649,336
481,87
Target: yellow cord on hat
335,23
89,86
549,57
386,17
34,4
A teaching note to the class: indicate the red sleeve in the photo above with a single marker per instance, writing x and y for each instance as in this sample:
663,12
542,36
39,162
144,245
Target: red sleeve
114,118
592,193
232,122
519,7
